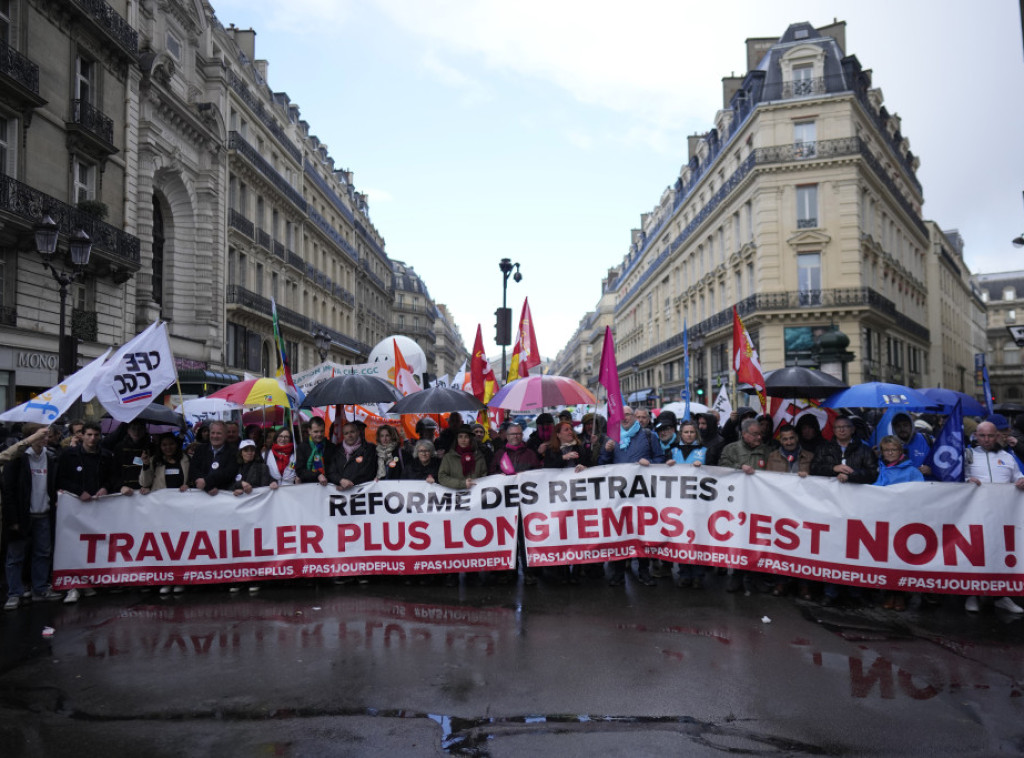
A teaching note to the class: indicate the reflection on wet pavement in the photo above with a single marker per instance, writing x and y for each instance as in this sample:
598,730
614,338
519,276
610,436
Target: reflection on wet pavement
499,670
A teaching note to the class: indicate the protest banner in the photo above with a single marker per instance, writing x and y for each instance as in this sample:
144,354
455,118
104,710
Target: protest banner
928,537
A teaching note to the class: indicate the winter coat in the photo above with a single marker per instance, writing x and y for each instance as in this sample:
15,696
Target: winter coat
859,457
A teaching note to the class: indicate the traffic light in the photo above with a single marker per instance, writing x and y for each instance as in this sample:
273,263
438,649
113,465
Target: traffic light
700,390
503,326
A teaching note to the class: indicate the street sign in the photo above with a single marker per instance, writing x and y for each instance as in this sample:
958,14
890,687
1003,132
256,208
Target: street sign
1017,332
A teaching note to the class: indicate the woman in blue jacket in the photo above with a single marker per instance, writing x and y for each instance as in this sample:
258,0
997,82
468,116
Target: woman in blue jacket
895,467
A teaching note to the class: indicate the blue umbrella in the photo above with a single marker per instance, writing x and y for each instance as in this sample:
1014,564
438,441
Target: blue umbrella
947,399
879,395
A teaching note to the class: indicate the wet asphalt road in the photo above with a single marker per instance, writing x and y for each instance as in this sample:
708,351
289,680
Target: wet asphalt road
590,670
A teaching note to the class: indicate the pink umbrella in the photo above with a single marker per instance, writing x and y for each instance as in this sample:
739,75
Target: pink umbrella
541,392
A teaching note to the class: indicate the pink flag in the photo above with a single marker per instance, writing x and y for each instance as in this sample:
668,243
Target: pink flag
609,378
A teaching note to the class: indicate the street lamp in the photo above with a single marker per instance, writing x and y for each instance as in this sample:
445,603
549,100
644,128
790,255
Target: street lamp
504,324
46,236
322,340
1018,241
636,377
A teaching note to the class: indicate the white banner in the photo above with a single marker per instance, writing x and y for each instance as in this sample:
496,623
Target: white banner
927,537
47,407
139,371
170,537
722,403
308,379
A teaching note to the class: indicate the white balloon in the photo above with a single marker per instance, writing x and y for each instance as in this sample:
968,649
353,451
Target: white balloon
384,352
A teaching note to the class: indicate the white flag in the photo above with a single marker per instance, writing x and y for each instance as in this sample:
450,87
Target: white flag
442,381
48,406
722,404
460,378
136,374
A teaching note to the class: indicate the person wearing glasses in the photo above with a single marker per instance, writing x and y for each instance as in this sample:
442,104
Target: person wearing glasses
280,458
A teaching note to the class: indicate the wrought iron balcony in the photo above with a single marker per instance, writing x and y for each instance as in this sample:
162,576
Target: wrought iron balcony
29,205
263,239
279,250
108,21
296,260
807,223
256,106
91,130
237,143
349,343
237,221
22,72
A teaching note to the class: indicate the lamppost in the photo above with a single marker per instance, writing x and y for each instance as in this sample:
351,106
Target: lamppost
1018,241
46,234
504,323
636,378
322,340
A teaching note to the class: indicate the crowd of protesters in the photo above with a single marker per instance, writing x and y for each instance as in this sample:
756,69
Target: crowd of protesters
222,458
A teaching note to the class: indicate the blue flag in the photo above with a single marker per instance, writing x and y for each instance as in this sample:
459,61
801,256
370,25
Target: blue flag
946,457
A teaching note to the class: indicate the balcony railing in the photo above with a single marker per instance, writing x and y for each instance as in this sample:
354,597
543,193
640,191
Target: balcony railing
349,343
242,90
19,68
237,221
93,120
279,250
806,223
296,260
107,19
237,143
263,239
785,301
31,205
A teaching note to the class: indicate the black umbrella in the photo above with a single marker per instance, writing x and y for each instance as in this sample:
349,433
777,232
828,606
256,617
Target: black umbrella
798,381
437,400
157,413
351,389
1008,409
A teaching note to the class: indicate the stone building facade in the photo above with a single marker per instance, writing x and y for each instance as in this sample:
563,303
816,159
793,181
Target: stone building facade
67,70
1003,295
802,208
220,199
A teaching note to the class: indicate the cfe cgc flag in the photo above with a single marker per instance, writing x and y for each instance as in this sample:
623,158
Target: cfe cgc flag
139,371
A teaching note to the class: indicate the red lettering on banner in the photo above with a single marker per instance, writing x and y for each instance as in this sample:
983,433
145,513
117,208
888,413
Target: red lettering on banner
449,541
587,519
347,533
902,548
619,526
562,517
673,526
877,544
488,532
202,547
91,541
258,549
646,516
419,537
535,527
174,551
311,537
148,548
713,520
760,529
236,546
120,547
816,531
286,540
787,539
953,539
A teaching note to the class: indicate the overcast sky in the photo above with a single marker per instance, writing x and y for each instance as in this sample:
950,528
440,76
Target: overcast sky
540,130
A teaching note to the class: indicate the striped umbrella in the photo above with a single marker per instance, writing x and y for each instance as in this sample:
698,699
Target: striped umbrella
254,392
541,391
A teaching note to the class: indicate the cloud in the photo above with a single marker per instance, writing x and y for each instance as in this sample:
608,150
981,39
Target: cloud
473,90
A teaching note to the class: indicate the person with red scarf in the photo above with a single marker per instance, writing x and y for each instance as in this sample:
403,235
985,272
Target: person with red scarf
281,458
462,463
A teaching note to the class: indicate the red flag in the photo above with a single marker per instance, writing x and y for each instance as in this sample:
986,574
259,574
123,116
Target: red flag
484,384
525,354
745,361
609,378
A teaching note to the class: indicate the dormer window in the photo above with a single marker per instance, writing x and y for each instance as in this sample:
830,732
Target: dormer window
803,79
